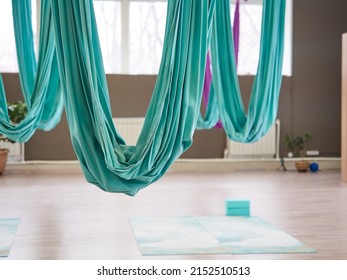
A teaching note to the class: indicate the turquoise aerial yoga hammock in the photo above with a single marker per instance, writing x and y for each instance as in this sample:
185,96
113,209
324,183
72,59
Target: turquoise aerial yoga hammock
170,121
225,97
171,118
211,117
40,84
263,105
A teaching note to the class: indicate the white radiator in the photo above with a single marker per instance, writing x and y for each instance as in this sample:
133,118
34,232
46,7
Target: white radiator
266,147
16,151
129,128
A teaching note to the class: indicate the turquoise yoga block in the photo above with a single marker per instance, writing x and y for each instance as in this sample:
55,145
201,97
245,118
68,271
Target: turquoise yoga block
237,207
229,203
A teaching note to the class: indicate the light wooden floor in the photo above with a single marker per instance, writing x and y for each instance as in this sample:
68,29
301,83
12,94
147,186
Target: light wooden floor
64,217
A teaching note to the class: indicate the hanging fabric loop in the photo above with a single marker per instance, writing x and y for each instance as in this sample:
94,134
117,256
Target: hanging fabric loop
262,109
40,84
173,112
171,117
227,104
211,118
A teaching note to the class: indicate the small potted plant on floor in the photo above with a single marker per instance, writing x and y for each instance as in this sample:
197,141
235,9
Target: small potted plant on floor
16,112
297,147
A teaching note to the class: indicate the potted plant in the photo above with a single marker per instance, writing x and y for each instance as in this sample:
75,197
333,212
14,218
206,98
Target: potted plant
297,147
16,112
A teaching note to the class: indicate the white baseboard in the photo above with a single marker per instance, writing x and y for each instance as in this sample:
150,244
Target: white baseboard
225,165
44,167
190,165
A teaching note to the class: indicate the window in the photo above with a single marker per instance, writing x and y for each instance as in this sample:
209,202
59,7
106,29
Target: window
108,17
146,35
8,56
133,43
250,28
131,35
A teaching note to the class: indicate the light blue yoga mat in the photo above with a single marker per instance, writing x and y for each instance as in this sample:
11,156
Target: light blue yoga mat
212,235
8,228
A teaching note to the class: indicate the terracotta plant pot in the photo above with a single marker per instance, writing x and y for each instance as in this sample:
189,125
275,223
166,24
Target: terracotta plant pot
3,160
302,166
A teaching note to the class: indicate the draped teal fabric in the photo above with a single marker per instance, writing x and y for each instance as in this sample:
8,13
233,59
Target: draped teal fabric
3,105
171,117
173,113
41,87
47,88
211,117
226,101
24,36
265,92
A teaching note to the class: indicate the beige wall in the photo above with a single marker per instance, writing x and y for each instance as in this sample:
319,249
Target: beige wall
316,83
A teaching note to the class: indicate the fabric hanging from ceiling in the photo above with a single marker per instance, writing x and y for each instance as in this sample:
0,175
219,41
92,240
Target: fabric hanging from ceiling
263,105
24,38
40,83
225,100
173,112
211,118
3,104
172,115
